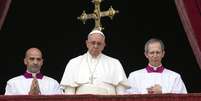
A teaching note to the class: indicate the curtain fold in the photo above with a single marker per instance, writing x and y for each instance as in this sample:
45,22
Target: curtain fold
4,6
190,14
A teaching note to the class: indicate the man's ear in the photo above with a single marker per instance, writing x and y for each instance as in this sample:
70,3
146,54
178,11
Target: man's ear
104,43
86,42
25,61
145,54
163,54
42,61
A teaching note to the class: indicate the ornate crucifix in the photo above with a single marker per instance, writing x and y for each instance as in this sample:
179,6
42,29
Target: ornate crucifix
97,14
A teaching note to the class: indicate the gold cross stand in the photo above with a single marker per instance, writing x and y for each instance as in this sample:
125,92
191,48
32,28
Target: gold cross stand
97,14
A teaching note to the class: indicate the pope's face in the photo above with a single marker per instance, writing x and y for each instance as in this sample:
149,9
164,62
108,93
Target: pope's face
95,44
154,54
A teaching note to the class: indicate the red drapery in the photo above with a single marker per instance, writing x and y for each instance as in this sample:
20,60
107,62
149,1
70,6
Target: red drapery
4,6
190,14
143,97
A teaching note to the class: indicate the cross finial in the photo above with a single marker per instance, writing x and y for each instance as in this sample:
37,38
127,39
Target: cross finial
97,14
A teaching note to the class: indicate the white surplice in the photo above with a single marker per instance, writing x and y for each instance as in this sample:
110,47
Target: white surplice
21,86
169,81
108,75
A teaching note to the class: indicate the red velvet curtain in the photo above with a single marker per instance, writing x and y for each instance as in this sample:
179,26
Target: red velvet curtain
4,6
190,14
143,97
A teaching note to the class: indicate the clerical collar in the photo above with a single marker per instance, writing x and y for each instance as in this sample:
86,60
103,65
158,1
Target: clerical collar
150,69
90,56
28,75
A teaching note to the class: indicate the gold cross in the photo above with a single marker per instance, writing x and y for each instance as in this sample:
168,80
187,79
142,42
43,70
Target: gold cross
97,14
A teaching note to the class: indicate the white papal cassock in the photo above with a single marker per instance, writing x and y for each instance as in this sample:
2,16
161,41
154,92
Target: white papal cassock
85,75
170,81
21,86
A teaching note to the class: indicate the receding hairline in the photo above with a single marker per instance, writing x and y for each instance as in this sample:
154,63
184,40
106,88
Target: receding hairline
154,40
31,50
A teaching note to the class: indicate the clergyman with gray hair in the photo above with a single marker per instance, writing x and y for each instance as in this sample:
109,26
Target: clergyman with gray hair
155,78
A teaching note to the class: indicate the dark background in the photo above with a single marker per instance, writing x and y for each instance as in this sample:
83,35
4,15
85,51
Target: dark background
52,26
